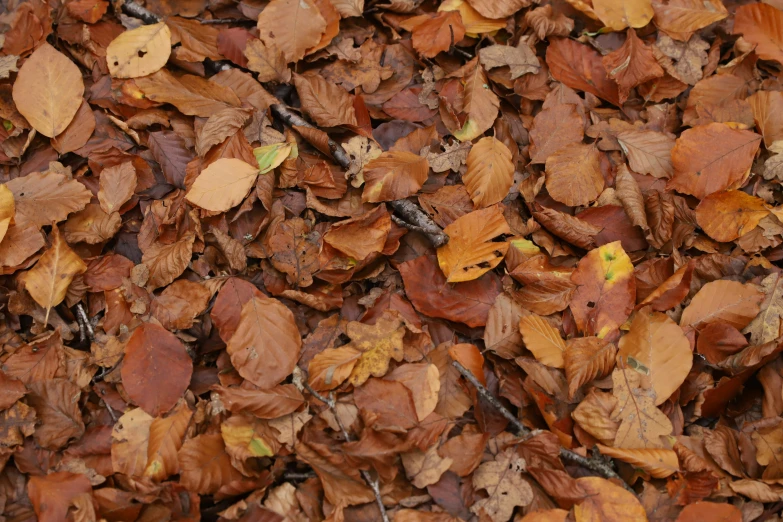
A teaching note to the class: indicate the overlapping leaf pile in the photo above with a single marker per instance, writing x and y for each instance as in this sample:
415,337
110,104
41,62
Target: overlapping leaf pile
227,293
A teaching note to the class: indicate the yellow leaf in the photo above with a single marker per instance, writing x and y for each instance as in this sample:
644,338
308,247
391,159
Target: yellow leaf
543,340
619,14
7,210
48,281
222,185
378,343
657,348
247,437
331,367
660,463
140,51
269,157
490,172
48,90
470,253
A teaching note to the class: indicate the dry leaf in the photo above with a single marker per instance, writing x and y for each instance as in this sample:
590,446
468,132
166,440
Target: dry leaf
222,185
503,481
140,51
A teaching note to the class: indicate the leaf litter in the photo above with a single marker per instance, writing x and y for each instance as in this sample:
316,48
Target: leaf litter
305,260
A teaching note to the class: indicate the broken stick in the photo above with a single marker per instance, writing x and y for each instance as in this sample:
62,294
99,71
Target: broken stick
596,463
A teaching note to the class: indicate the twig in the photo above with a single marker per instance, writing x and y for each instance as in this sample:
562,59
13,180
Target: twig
85,326
216,21
293,119
596,463
295,475
135,10
110,410
373,483
411,213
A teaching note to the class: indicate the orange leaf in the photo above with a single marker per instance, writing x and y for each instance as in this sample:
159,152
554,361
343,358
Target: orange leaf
543,340
714,511
294,26
726,216
619,14
394,175
573,174
585,359
438,33
607,502
580,67
470,253
51,495
470,357
760,25
490,172
660,463
724,301
657,348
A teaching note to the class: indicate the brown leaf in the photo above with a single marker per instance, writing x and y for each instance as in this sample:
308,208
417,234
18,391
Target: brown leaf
711,158
130,438
725,216
431,295
501,334
204,464
423,381
77,133
498,9
594,415
190,94
659,463
394,175
619,14
154,386
42,198
648,152
642,425
48,281
520,59
51,495
502,479
265,347
480,104
567,227
330,368
293,39
633,63
328,104
553,129
56,403
438,33
166,262
218,127
758,25
723,301
585,359
266,60
573,174
48,90
295,250
607,502
386,406
580,67
264,404
424,469
165,440
543,340
117,185
223,185
681,18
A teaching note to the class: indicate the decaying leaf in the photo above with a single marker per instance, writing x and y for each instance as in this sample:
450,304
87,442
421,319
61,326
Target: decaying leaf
502,479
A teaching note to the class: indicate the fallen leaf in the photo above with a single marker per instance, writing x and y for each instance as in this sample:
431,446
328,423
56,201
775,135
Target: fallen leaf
723,301
543,340
711,158
553,129
394,175
204,464
48,281
130,437
681,18
619,14
573,174
581,68
293,39
490,172
222,185
438,33
480,104
659,463
648,152
166,435
642,425
48,90
154,386
117,186
726,216
758,25
425,469
657,348
265,346
521,59
710,511
328,104
585,359
51,495
605,291
472,252
503,481
633,63
140,51
607,502
378,344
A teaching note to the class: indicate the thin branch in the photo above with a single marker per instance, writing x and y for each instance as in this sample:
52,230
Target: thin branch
295,475
596,463
135,10
411,213
293,119
373,483
85,326
217,21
